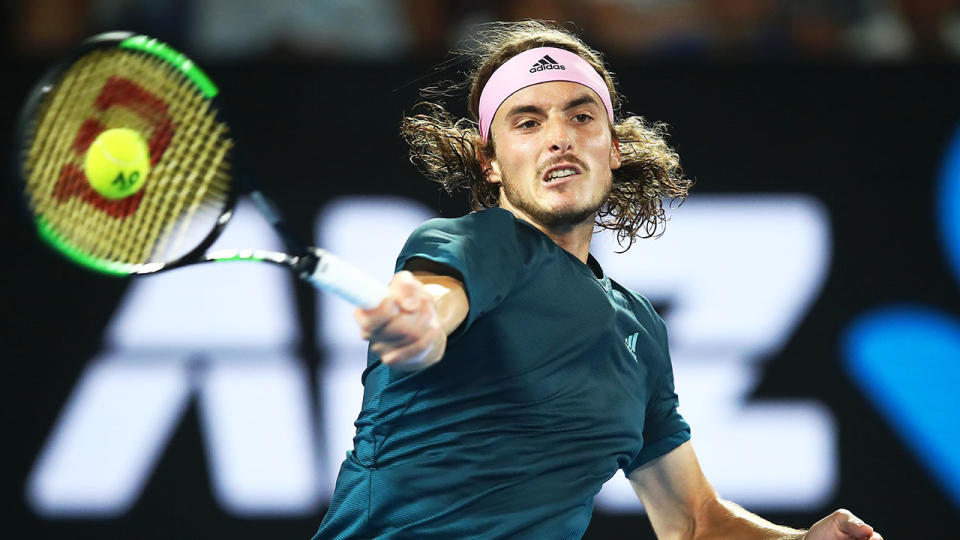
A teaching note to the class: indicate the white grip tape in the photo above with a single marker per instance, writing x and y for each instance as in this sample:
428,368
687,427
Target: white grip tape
352,284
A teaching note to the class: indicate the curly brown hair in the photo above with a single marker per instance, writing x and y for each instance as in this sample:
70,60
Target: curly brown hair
445,148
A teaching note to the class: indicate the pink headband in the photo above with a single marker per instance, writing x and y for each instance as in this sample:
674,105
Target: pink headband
535,66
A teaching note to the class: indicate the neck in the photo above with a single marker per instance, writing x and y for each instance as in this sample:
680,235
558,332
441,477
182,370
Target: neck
573,238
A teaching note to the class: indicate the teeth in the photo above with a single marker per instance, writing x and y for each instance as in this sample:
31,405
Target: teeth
560,173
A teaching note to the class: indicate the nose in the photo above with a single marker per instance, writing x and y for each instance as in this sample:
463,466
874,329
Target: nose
558,136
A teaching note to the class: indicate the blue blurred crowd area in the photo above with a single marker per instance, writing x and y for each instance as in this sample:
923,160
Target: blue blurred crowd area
724,30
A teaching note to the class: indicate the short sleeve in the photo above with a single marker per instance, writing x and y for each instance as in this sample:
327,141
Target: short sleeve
664,428
486,249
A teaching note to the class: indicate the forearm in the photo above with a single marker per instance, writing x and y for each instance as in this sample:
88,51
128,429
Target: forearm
723,519
682,505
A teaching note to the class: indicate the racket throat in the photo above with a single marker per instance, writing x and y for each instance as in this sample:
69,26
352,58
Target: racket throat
305,265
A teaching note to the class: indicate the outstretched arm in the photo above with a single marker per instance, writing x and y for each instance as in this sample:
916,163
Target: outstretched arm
683,505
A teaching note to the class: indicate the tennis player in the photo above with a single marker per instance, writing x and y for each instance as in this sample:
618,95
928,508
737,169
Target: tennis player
508,376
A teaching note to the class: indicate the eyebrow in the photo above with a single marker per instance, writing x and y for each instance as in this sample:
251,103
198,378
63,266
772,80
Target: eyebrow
576,102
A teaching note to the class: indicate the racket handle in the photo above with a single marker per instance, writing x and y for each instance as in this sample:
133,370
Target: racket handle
333,274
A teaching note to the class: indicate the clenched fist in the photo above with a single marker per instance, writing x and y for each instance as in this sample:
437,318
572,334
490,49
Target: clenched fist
405,330
841,525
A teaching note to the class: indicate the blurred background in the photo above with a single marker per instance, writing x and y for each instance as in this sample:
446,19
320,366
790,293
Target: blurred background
811,284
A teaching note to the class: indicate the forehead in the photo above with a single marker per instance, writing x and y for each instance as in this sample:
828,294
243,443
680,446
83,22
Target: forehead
548,95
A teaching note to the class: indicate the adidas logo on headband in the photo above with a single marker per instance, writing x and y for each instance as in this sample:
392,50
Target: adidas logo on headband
546,63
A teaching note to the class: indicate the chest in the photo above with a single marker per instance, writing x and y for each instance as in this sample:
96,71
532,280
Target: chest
568,353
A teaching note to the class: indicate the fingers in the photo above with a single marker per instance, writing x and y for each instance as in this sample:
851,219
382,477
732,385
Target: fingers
404,294
403,328
407,291
841,524
421,353
853,526
370,320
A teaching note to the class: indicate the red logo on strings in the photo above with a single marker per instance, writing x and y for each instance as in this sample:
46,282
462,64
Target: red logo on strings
116,92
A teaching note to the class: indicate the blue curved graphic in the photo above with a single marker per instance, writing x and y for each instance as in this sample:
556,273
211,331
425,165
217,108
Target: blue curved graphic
949,205
906,359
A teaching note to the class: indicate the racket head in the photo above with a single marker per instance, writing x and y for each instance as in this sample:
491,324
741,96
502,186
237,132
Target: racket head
123,80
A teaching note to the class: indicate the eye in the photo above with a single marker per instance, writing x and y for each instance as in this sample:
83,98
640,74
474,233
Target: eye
527,124
582,118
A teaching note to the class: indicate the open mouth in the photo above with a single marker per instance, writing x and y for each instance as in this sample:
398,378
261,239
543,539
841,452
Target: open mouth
560,172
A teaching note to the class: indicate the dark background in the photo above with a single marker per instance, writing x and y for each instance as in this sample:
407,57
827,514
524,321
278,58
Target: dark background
866,139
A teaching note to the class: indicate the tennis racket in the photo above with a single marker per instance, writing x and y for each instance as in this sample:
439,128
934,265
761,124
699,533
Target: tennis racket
123,80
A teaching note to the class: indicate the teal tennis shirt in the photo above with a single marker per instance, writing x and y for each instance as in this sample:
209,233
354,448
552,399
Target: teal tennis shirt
558,377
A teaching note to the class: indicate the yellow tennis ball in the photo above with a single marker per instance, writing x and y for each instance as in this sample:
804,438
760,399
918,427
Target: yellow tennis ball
117,163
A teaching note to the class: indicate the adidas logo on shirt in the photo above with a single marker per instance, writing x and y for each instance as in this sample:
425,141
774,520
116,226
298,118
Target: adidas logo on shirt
546,63
631,342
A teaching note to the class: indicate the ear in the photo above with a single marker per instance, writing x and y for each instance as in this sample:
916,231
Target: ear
491,168
615,159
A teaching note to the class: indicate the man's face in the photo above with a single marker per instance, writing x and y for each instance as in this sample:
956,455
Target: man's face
554,154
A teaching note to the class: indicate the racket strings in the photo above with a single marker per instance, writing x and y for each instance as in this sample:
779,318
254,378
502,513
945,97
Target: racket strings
200,160
187,187
56,182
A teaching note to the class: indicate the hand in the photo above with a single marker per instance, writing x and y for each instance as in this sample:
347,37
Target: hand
841,525
404,330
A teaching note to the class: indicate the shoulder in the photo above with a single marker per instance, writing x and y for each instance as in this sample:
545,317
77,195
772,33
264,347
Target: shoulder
643,310
475,222
642,307
490,225
490,241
